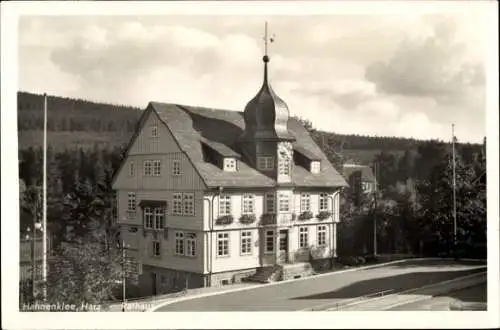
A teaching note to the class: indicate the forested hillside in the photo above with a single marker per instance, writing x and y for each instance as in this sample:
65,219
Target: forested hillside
86,144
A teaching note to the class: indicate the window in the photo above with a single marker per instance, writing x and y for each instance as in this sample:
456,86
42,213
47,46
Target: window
158,217
315,167
303,237
148,217
176,167
131,202
284,168
183,204
323,202
284,202
246,242
177,204
131,169
156,167
229,164
270,203
269,248
188,201
265,163
191,244
223,244
148,168
179,243
305,202
156,248
154,130
225,205
248,204
322,235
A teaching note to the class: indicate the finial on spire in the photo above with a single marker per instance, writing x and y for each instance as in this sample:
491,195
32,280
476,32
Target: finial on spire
267,40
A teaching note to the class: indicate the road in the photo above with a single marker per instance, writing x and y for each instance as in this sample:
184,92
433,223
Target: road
317,291
475,294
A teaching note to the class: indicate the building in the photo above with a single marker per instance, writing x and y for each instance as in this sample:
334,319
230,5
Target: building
210,197
360,177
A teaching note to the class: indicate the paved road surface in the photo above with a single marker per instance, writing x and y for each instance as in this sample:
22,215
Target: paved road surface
329,289
474,294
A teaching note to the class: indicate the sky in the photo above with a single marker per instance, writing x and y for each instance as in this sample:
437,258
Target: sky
406,75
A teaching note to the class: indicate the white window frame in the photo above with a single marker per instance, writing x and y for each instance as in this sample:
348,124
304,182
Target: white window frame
156,244
265,163
224,205
176,167
223,244
180,248
248,204
323,202
305,202
246,242
148,167
284,166
131,202
156,168
177,206
303,237
229,164
282,197
321,235
148,217
131,169
188,204
190,245
315,167
269,238
271,199
159,217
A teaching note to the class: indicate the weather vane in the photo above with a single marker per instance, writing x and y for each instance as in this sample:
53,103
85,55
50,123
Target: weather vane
267,39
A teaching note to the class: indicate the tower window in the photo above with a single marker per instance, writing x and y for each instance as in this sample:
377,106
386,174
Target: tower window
265,163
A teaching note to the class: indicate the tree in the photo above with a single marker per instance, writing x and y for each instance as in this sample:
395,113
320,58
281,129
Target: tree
84,270
437,221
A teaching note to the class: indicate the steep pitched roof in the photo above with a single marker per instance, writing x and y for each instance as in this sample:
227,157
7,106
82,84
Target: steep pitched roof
366,171
192,126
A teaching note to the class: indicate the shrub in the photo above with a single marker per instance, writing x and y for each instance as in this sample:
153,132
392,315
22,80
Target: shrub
306,215
348,261
323,215
361,260
224,220
247,219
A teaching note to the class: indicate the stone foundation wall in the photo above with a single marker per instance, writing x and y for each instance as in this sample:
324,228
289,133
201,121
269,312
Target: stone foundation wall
225,278
321,264
168,280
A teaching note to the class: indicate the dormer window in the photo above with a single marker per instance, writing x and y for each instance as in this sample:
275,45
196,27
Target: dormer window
265,163
315,167
229,164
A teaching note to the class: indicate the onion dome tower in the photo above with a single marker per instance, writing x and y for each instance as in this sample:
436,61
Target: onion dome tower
266,124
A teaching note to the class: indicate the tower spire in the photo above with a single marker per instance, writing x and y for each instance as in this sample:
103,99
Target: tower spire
267,40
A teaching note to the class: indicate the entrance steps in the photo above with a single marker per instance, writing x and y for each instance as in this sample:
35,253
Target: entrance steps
282,272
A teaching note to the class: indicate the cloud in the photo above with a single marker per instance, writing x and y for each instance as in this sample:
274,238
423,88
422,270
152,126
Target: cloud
434,66
348,74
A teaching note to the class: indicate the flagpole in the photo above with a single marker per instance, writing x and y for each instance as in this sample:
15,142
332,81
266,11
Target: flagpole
454,190
44,223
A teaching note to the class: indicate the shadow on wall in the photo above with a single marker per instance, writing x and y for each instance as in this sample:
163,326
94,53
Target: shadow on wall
396,283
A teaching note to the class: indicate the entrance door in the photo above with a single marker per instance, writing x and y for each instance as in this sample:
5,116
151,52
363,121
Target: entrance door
283,246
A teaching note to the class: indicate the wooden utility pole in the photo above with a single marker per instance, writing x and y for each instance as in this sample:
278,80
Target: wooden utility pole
454,190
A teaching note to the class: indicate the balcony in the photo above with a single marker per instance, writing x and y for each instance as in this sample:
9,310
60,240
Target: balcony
279,219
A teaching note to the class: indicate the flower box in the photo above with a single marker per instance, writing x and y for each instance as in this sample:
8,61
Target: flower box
323,215
224,220
306,215
247,219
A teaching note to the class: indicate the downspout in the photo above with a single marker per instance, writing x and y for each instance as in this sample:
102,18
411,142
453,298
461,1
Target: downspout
211,230
334,232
